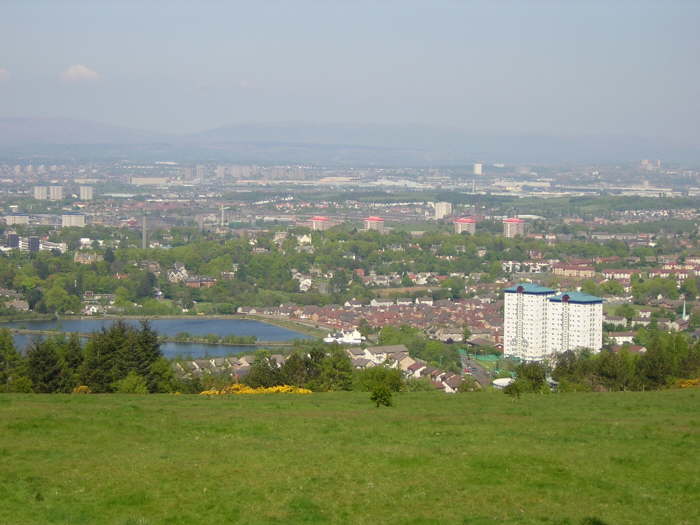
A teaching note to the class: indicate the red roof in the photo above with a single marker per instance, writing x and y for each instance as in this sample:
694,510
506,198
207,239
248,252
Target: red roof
319,218
465,220
374,219
513,219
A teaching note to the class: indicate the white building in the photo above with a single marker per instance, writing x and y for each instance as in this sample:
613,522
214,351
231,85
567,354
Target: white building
87,193
442,210
353,337
320,223
148,181
539,323
41,193
513,227
574,320
72,219
465,224
16,218
56,193
478,168
374,223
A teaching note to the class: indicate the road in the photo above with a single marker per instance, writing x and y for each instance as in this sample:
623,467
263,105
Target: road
480,374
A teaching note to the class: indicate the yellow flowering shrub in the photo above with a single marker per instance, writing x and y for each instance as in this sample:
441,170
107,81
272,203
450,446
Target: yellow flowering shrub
689,383
82,389
240,389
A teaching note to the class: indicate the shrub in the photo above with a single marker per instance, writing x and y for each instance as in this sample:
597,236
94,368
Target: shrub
469,384
82,389
414,384
366,380
381,395
238,389
131,384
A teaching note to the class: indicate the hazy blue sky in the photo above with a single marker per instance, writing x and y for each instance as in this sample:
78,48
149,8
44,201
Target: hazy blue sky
494,66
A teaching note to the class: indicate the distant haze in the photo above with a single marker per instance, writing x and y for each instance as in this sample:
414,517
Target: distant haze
453,80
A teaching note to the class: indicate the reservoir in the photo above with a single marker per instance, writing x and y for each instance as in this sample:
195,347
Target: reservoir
172,327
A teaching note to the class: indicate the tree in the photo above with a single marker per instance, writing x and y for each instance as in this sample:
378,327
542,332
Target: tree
466,333
381,395
264,372
616,370
10,360
161,377
34,296
131,384
70,354
469,384
367,379
44,367
57,299
531,378
109,256
339,282
147,352
336,371
112,353
294,370
590,287
626,311
144,287
612,288
364,327
415,384
689,288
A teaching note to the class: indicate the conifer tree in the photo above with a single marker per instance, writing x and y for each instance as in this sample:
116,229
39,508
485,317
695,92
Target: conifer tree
44,367
71,358
11,362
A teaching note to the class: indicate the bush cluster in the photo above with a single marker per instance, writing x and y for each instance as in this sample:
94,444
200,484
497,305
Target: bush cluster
120,358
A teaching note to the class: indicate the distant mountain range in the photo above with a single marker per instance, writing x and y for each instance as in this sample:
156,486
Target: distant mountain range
329,144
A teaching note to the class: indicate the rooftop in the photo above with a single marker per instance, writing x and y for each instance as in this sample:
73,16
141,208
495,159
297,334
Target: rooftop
530,288
576,297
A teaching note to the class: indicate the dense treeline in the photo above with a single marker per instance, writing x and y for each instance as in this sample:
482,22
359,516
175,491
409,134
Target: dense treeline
670,357
54,283
117,359
317,366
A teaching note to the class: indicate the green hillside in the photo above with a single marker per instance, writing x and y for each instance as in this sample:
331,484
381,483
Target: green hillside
335,458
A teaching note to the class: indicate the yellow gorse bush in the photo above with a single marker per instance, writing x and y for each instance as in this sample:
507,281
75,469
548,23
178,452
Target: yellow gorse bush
689,383
82,389
238,389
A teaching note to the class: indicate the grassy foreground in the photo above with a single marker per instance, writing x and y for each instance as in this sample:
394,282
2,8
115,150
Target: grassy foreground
335,458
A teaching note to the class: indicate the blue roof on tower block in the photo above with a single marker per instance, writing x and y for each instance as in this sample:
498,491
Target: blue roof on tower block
530,288
576,298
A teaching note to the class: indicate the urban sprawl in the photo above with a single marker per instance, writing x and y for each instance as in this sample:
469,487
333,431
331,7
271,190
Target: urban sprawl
492,261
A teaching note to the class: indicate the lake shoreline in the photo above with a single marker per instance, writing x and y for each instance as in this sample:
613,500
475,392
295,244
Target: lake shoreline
293,325
162,338
191,336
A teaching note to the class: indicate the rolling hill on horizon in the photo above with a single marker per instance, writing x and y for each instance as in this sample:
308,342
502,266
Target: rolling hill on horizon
335,144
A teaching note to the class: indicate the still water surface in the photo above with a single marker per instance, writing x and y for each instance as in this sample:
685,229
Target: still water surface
172,327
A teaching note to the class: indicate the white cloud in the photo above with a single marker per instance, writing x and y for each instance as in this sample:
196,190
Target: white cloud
79,73
4,74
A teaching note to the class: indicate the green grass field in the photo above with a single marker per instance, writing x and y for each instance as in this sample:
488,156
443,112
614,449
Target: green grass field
335,458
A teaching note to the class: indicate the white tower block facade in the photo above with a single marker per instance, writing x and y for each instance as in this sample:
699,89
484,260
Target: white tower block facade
538,323
525,321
